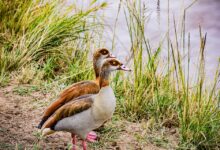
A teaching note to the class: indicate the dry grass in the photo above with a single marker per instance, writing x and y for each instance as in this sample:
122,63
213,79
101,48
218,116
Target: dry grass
42,46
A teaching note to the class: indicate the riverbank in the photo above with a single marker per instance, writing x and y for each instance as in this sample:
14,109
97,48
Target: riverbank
22,106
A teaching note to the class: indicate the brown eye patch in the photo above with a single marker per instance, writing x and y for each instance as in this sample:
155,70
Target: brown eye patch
104,52
114,63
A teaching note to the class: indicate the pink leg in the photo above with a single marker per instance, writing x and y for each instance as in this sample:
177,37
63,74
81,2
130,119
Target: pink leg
92,136
73,141
84,144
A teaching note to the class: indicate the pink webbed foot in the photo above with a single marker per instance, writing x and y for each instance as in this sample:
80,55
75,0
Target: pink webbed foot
73,141
91,137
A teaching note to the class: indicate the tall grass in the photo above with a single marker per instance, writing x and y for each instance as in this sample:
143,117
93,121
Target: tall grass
199,112
169,99
42,32
42,41
149,93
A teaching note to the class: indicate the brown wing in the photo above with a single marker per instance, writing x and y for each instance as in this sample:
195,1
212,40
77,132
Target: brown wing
73,107
74,91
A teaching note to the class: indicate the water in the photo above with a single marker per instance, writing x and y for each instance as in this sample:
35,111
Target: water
205,13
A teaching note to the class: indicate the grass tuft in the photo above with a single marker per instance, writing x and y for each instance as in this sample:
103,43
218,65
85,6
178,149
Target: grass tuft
44,43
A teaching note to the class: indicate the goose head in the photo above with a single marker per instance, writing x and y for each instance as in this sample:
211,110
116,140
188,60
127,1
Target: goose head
109,65
98,56
113,64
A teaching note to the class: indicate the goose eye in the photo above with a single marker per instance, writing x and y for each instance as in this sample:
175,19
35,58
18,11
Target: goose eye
114,63
104,52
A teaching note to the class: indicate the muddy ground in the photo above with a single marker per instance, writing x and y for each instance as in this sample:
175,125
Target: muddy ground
22,106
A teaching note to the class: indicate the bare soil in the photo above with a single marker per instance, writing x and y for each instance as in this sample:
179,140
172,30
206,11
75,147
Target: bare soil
20,114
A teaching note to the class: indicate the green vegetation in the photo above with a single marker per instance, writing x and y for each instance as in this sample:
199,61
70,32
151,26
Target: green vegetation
42,44
41,39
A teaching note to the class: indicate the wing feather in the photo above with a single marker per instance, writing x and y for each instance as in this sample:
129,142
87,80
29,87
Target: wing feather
74,91
72,108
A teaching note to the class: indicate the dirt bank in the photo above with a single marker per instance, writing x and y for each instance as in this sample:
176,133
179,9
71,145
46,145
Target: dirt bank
20,111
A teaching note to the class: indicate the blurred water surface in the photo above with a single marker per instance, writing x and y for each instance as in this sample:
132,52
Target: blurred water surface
205,13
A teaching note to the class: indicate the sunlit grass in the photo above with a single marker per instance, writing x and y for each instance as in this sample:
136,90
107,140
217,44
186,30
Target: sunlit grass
39,44
170,99
42,32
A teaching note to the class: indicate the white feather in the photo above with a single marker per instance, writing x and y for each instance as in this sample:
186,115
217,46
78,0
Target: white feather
92,118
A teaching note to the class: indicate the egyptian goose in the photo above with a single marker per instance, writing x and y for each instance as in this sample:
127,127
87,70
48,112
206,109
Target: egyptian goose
80,88
87,112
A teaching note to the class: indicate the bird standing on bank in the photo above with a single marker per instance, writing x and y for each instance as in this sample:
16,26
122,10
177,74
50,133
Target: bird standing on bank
79,89
87,112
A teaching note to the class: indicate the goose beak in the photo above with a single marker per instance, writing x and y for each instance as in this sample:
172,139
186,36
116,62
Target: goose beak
111,56
124,68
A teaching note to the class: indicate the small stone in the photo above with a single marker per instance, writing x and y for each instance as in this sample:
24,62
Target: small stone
173,131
